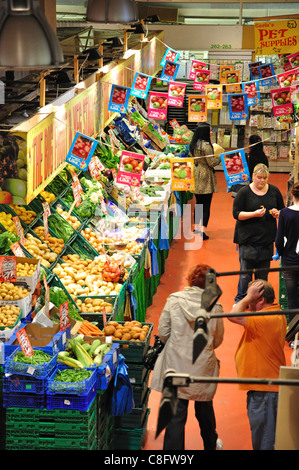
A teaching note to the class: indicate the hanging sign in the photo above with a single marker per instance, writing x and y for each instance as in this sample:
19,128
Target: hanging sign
17,250
157,106
238,108
170,55
276,37
281,101
288,78
24,342
195,67
254,70
267,74
95,167
8,269
141,85
222,70
169,71
19,229
252,91
235,167
176,93
197,108
214,96
130,168
81,151
119,99
182,178
232,79
293,59
201,79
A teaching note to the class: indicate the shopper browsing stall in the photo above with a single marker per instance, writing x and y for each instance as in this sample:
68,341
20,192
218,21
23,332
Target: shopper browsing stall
256,208
176,329
287,244
260,354
205,180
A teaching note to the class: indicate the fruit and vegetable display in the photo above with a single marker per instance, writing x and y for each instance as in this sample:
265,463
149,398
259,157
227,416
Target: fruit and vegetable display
127,331
38,249
92,305
9,315
27,215
80,354
11,291
7,238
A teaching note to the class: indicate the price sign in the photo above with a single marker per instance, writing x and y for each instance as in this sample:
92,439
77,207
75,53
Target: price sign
103,206
95,167
64,316
104,317
47,297
19,229
8,268
17,250
47,212
76,193
24,342
77,181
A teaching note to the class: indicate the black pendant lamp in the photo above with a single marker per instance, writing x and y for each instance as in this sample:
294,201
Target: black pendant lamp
27,41
112,11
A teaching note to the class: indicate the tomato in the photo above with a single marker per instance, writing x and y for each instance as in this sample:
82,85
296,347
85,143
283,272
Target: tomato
126,160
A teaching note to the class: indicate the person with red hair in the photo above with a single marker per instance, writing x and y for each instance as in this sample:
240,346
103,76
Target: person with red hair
176,329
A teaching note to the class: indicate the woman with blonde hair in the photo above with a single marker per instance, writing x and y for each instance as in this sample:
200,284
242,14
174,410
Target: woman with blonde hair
256,208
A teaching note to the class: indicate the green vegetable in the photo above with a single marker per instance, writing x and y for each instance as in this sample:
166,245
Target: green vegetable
38,357
86,209
136,117
72,375
60,227
6,239
58,297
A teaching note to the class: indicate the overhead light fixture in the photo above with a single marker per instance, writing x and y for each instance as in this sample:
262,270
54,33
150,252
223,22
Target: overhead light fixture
138,29
152,19
27,40
112,11
91,54
116,41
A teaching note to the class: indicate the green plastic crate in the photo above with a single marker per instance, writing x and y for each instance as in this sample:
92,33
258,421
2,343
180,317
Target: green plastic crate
134,419
133,351
130,439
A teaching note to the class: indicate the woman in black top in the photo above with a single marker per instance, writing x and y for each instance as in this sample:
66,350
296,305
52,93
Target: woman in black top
256,153
256,208
287,244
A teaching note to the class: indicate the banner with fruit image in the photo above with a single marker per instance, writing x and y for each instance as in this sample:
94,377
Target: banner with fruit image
196,66
293,59
267,74
157,105
119,99
281,101
169,71
252,91
238,107
288,78
201,79
81,151
176,93
254,70
222,70
130,168
13,169
197,108
182,178
235,167
170,55
231,77
140,86
214,96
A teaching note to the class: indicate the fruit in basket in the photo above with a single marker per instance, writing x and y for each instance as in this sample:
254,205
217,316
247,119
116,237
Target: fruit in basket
9,315
127,331
26,215
7,222
10,291
49,197
25,269
56,244
112,272
39,250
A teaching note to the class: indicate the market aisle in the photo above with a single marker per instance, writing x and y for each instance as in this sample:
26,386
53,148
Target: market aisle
220,253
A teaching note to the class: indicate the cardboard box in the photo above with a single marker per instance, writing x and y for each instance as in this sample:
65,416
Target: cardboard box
25,304
30,281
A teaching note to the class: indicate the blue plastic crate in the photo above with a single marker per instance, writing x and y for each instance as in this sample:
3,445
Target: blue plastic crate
39,371
77,388
112,357
71,402
24,384
20,400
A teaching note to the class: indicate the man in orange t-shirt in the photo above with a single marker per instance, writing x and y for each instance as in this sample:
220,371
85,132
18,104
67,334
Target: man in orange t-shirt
260,354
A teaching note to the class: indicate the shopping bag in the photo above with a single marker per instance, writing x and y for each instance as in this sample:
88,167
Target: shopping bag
122,401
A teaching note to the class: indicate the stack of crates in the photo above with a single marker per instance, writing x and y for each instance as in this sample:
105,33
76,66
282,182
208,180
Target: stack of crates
105,422
130,429
2,411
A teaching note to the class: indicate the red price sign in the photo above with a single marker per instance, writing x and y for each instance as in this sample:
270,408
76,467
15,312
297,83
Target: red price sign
19,229
17,250
77,181
104,317
64,316
24,342
47,296
8,268
76,193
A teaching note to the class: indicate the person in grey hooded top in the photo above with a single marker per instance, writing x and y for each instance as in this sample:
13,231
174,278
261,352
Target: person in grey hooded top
176,329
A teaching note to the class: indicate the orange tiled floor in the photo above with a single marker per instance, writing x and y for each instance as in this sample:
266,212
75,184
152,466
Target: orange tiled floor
220,253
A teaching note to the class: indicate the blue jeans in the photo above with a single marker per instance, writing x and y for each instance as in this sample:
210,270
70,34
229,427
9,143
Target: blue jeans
262,412
244,279
291,280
